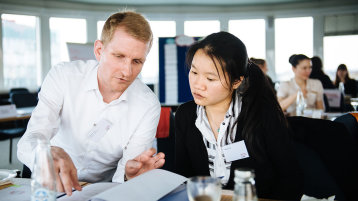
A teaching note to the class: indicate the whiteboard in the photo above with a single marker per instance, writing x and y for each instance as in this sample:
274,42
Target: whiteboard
79,51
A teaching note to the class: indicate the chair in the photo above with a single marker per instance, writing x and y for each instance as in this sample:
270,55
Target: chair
9,131
23,99
328,157
167,144
350,121
26,172
17,90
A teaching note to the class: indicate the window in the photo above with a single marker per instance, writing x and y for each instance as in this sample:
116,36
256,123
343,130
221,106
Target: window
65,30
100,25
340,50
252,34
201,28
292,36
20,51
150,71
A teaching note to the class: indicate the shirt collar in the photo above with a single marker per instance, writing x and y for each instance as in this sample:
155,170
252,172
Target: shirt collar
91,81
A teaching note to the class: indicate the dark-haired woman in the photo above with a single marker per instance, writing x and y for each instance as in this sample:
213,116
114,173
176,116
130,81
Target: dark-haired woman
342,75
234,121
311,88
317,73
261,63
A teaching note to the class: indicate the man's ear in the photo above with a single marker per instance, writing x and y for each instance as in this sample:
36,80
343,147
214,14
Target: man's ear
237,83
98,48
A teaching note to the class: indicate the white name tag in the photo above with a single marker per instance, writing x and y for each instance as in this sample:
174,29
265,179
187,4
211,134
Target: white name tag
235,151
99,129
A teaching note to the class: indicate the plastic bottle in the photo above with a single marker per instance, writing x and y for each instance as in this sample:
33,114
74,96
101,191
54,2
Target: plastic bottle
43,183
244,185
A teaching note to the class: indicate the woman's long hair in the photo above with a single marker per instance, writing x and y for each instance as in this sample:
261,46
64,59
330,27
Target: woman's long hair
316,67
261,113
346,78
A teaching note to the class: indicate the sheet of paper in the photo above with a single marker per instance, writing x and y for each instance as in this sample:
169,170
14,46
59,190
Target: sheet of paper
88,192
149,186
16,193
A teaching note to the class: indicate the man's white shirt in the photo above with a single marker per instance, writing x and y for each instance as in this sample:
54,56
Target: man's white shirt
71,111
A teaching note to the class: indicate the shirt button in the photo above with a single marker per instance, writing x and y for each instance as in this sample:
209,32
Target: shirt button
223,123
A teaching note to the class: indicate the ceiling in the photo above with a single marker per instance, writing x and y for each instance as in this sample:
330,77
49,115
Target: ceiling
187,2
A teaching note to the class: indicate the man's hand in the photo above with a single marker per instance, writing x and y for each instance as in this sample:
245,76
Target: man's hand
143,163
65,170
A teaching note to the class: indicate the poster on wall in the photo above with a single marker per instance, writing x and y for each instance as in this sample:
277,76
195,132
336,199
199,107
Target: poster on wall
173,73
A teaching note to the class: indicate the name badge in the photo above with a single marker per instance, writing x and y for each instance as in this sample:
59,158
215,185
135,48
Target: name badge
99,129
235,151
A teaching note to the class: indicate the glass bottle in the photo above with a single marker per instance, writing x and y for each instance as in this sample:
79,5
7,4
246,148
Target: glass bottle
43,183
300,103
341,87
244,185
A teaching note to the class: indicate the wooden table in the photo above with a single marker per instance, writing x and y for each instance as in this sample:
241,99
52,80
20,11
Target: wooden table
14,118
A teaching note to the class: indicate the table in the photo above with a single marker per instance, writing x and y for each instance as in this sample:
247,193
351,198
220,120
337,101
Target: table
22,114
22,191
19,117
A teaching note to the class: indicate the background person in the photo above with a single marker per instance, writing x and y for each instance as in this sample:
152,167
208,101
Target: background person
100,118
261,63
233,106
342,75
317,73
311,88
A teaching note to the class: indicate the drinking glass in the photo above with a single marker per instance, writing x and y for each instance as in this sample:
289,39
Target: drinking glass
204,188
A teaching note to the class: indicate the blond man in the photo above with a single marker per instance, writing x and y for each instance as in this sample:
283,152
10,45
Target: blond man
99,117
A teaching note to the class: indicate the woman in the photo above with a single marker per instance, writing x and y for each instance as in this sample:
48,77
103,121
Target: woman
261,63
342,75
311,88
233,106
317,73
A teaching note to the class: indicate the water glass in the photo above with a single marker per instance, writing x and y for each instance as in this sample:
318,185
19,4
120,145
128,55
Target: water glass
204,188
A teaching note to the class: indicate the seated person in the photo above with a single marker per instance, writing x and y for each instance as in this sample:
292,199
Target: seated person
317,73
311,88
234,106
342,75
261,63
100,118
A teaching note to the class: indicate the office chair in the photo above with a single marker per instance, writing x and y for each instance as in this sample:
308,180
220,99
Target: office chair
167,144
9,131
328,157
19,90
26,172
23,100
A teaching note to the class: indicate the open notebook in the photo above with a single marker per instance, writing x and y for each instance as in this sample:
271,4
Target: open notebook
149,186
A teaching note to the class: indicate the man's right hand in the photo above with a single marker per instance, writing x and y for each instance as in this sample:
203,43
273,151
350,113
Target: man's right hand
65,170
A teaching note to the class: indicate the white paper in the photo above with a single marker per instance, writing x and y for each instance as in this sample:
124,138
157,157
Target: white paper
235,151
149,186
8,111
88,192
25,110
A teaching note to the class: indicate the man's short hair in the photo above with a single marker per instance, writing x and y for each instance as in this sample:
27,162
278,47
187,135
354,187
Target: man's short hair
133,23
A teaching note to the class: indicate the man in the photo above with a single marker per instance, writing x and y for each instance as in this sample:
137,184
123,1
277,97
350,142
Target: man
100,119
